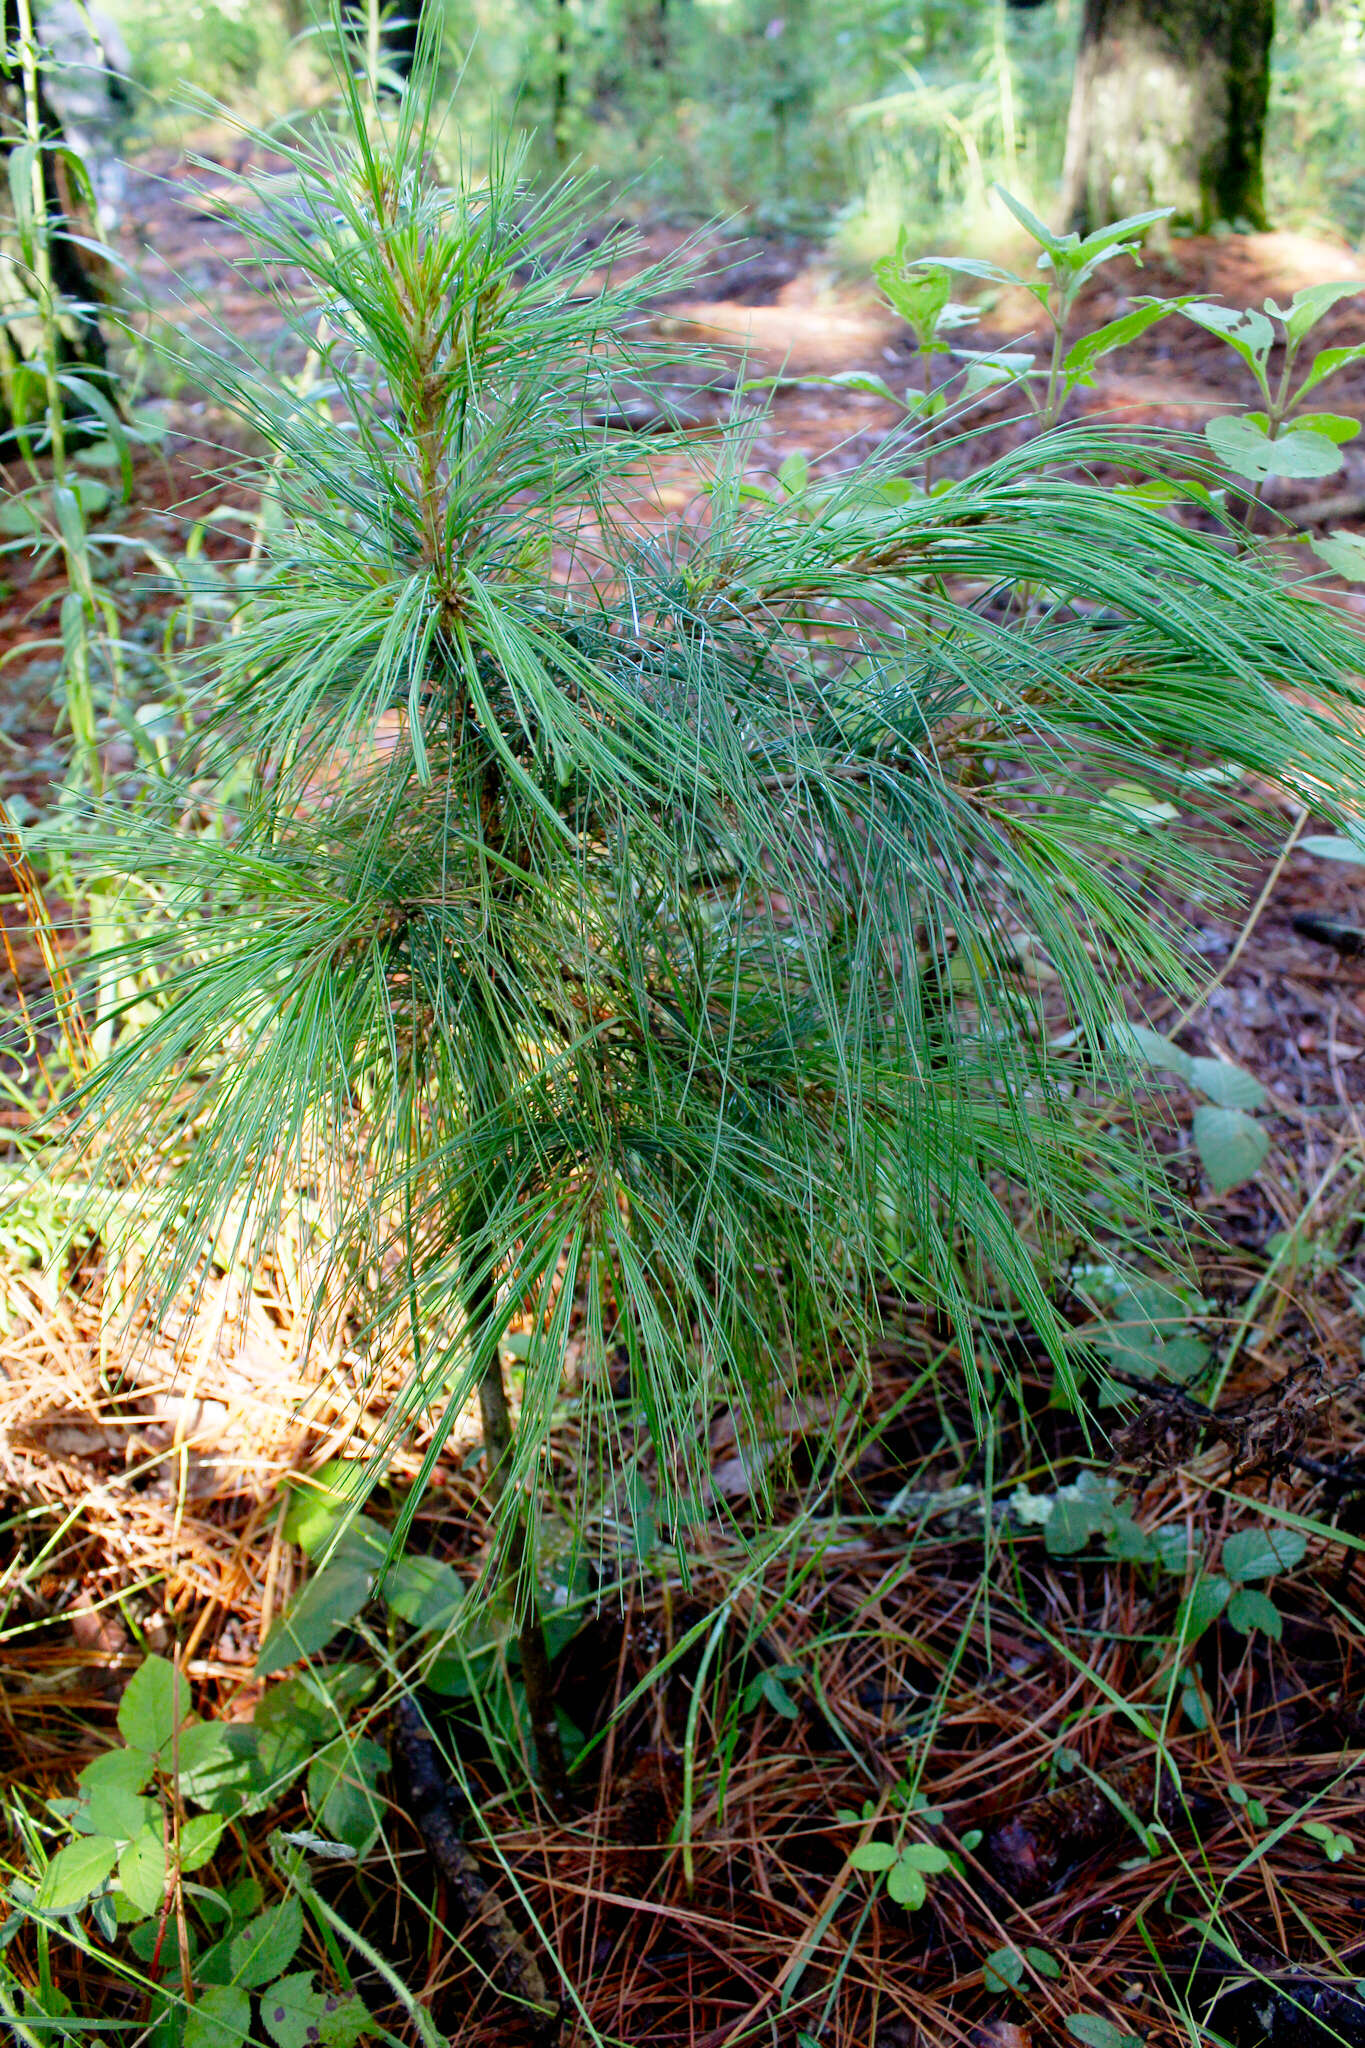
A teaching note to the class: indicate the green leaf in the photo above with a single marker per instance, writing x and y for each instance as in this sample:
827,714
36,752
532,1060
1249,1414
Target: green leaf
220,2018
213,1766
1232,1147
1260,1553
1344,554
1071,1525
1307,307
74,1872
1084,354
1248,1610
1172,1550
919,297
199,1838
1248,450
318,1506
905,1884
1140,803
1128,229
1130,1544
1058,247
1249,332
1229,1086
426,1592
1100,2033
1003,1970
297,2015
331,1599
1335,1846
155,1703
926,1856
112,1785
1200,1608
142,1870
266,1946
342,1790
794,474
1327,363
1336,426
874,1856
1136,1041
1046,1965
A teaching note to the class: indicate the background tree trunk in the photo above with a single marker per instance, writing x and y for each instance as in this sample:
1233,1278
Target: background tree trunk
76,341
1169,109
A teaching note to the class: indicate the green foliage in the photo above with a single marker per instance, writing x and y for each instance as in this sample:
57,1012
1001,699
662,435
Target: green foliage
1284,440
135,1840
1005,1968
1231,1145
637,917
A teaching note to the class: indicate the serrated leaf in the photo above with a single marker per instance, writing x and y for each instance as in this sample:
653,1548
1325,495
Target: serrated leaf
874,1856
155,1703
1231,1087
219,2018
297,2015
199,1837
215,1762
113,1788
142,1870
1261,1553
905,1884
1249,452
1201,1607
1344,554
74,1872
1003,1970
1248,1610
266,1946
1231,1145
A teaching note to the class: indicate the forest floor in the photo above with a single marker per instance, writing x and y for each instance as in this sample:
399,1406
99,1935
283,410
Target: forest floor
906,1650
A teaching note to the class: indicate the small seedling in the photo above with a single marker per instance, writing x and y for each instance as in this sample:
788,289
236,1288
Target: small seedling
905,1867
1335,1846
1254,1809
1004,1968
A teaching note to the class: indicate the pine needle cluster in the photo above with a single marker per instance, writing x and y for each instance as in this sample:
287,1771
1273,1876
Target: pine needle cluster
638,926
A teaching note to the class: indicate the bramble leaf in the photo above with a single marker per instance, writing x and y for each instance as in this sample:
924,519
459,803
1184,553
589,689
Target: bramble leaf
1232,1147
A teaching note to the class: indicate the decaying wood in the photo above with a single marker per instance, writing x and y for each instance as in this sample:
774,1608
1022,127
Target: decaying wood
510,1962
1031,1851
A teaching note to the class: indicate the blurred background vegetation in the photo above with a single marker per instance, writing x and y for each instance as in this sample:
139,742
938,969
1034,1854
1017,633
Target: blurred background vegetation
849,122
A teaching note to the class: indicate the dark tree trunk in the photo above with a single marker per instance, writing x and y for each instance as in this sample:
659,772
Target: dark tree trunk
1169,109
76,294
